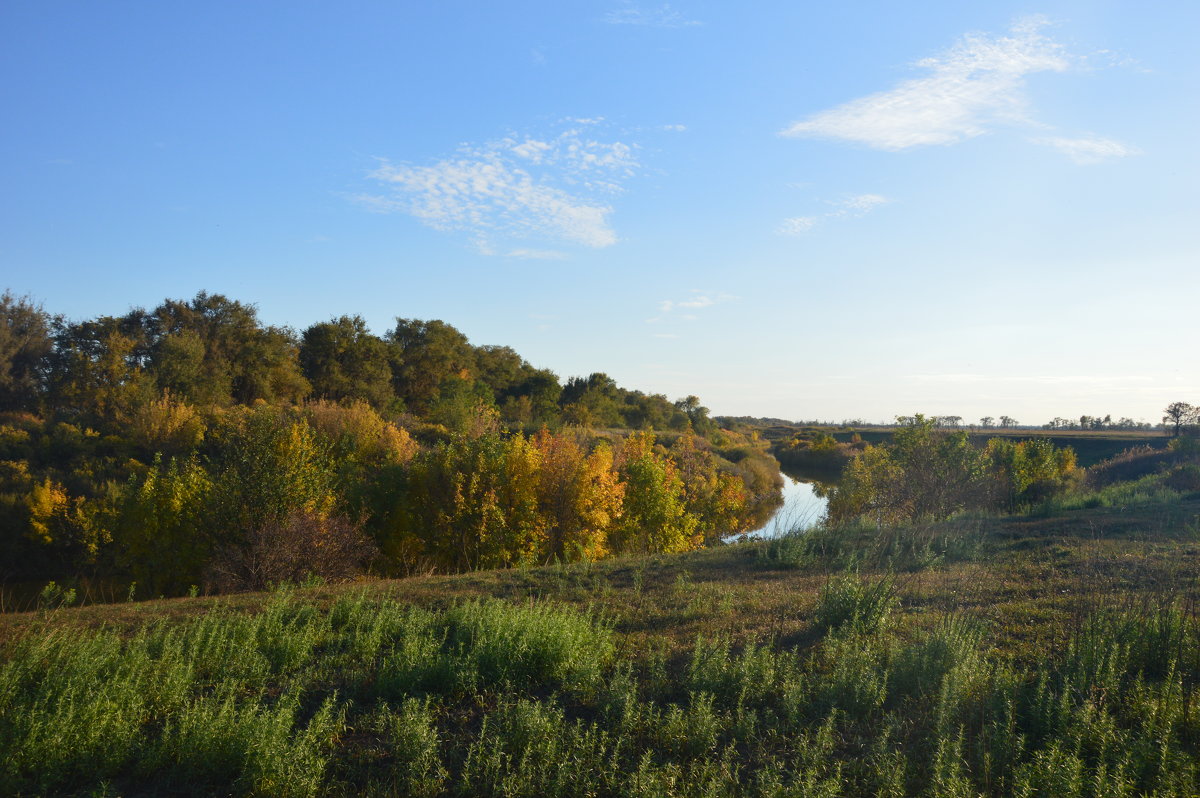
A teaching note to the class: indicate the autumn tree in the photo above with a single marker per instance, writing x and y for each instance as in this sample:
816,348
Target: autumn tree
163,531
166,426
926,473
654,516
1029,471
718,499
473,503
579,496
267,465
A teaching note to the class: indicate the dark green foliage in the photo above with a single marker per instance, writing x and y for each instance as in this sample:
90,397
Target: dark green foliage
25,343
341,359
426,354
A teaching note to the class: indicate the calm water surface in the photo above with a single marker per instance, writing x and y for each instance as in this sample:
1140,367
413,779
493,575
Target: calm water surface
801,507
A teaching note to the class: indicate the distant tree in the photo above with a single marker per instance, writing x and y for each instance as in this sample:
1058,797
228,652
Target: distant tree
696,414
25,343
598,400
1178,415
213,350
341,359
464,407
986,421
1008,421
501,369
424,355
96,369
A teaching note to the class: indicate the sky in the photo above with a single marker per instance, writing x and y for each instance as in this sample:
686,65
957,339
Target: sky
813,211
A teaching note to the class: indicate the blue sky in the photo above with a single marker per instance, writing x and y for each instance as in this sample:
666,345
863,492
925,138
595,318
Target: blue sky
805,210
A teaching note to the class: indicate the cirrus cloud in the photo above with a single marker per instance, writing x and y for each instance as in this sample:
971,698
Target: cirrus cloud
976,86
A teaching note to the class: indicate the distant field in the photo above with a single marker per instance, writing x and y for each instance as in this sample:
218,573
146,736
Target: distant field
1090,446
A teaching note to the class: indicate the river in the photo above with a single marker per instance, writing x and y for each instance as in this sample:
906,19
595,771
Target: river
801,508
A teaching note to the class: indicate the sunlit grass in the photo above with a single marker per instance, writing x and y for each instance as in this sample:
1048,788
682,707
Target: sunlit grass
1048,657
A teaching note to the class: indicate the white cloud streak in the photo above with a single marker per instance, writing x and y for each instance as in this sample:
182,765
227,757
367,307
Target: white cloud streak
1088,150
973,86
661,17
520,187
536,254
862,203
697,301
1057,379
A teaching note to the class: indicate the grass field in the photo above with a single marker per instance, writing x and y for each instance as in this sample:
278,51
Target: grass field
1091,446
1055,655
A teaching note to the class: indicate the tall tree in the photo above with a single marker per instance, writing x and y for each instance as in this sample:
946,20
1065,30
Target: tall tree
341,359
96,369
1178,415
425,354
25,343
213,350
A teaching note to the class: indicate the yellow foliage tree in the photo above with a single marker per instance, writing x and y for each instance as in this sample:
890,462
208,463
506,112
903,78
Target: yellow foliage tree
166,425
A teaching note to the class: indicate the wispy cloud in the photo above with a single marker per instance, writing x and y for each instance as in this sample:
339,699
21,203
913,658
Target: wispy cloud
657,17
971,89
1088,150
1039,379
798,225
536,254
516,188
696,300
695,303
972,86
860,204
849,207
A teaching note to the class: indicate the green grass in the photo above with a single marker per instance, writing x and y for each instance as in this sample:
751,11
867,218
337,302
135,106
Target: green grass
1041,655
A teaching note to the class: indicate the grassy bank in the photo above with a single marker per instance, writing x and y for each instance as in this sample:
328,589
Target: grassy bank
1054,655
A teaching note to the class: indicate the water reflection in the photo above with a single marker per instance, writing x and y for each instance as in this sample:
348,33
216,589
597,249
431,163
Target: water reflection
804,504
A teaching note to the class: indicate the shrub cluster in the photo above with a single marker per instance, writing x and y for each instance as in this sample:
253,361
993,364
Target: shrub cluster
372,697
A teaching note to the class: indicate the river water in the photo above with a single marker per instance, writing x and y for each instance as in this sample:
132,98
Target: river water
801,508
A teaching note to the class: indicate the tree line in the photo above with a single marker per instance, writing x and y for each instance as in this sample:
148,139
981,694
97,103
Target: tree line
192,446
928,472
